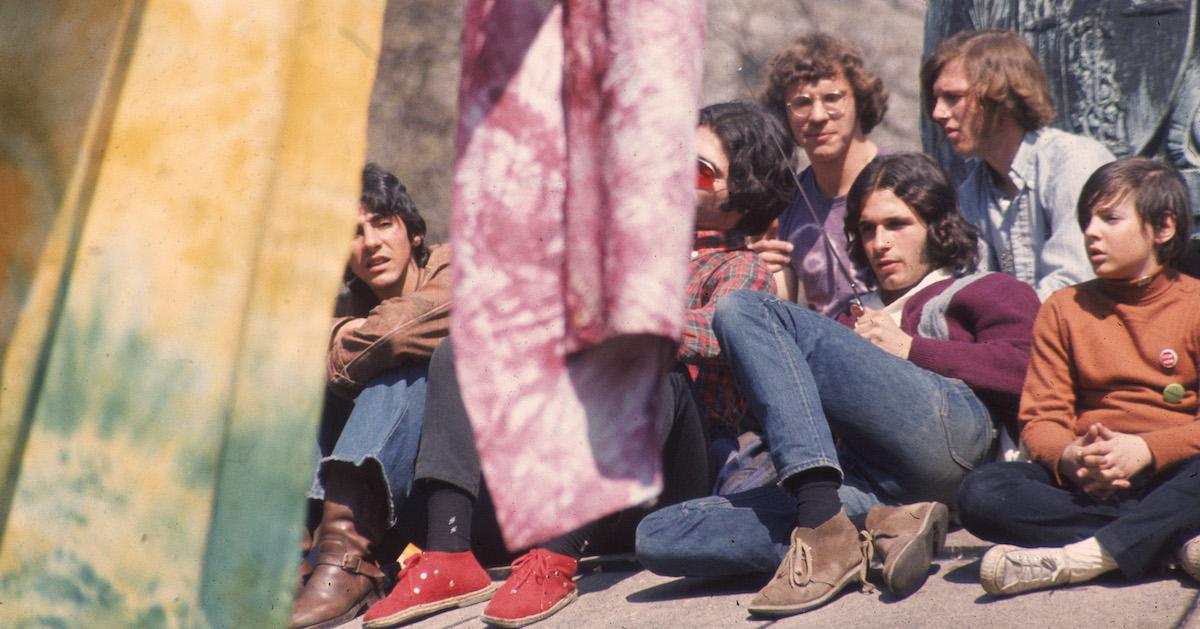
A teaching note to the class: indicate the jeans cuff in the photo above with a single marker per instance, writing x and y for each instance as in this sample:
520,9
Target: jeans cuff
390,499
792,470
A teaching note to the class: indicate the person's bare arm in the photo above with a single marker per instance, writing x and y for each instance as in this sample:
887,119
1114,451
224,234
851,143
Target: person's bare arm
786,284
776,256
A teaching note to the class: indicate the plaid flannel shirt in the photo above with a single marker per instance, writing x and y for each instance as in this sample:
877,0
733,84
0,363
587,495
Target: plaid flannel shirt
720,264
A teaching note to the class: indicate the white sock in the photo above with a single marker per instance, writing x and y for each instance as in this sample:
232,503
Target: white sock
1087,560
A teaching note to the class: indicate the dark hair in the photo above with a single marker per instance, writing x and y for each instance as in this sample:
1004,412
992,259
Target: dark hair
916,179
384,195
1156,189
760,177
1004,75
817,56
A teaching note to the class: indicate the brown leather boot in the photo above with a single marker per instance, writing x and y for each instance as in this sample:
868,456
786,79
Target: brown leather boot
906,538
347,579
306,569
819,563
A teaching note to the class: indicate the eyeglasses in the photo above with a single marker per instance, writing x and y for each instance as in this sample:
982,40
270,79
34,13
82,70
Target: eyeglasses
834,103
706,175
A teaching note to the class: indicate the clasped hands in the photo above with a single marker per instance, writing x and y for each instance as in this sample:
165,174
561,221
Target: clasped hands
1102,462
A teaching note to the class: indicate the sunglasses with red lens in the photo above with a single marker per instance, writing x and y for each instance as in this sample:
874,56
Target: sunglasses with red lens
706,175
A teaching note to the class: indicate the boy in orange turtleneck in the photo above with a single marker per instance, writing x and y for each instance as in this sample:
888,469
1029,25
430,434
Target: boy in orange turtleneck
1109,406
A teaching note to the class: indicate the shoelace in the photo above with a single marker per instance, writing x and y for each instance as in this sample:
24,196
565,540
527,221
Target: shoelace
1044,568
534,562
798,564
867,548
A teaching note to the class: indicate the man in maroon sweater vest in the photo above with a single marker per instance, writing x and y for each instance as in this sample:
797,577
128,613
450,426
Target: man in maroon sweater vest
914,388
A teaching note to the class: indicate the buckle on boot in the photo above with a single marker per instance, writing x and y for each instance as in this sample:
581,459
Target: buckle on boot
351,563
357,564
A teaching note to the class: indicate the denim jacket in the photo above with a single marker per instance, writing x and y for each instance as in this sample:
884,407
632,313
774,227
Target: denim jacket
397,332
1034,235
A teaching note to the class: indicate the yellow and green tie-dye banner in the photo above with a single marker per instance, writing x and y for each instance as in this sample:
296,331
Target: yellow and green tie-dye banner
178,182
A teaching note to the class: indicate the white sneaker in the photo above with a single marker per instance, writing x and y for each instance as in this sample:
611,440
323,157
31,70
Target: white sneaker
1189,557
1009,570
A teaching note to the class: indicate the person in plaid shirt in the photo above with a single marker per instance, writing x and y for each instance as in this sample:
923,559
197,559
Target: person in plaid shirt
742,184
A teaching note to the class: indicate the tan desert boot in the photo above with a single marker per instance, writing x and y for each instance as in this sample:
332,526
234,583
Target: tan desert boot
819,563
906,538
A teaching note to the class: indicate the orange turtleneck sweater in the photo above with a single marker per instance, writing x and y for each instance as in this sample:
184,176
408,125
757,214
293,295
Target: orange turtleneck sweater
1105,352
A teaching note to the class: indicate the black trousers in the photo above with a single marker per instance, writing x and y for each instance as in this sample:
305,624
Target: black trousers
1019,503
447,453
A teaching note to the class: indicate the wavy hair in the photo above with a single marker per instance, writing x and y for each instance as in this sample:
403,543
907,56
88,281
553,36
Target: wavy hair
1004,75
815,56
916,179
759,151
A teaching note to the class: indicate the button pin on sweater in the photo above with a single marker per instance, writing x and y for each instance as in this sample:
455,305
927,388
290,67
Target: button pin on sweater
1173,393
1168,358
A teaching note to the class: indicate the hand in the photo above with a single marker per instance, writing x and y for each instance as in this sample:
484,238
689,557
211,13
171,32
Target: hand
1114,457
774,254
1071,468
879,328
1102,462
1070,464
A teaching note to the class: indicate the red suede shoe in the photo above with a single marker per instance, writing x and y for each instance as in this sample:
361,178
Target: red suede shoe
540,585
431,582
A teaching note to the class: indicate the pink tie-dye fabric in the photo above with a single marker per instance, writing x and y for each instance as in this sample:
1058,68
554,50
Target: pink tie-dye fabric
572,223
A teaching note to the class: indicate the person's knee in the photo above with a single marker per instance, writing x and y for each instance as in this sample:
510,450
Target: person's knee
649,538
656,541
732,309
393,383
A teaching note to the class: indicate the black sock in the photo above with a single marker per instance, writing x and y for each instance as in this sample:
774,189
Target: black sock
572,544
450,509
816,492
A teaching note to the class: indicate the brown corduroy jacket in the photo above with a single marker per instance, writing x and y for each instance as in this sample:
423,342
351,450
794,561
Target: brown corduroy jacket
397,332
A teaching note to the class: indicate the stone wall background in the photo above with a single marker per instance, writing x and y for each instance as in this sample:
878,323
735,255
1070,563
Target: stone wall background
413,103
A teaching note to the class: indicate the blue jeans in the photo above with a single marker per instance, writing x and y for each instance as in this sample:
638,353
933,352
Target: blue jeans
1020,503
903,434
381,428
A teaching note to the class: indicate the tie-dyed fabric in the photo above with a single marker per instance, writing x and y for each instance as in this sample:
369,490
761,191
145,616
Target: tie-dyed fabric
572,223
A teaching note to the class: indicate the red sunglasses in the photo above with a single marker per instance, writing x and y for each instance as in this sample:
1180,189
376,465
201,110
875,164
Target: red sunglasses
706,175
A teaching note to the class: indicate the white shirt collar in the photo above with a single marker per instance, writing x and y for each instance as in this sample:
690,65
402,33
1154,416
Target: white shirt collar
895,309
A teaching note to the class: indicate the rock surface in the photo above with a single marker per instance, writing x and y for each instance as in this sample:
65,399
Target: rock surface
951,597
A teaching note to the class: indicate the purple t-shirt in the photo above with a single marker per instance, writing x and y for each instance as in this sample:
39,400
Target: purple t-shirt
825,286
